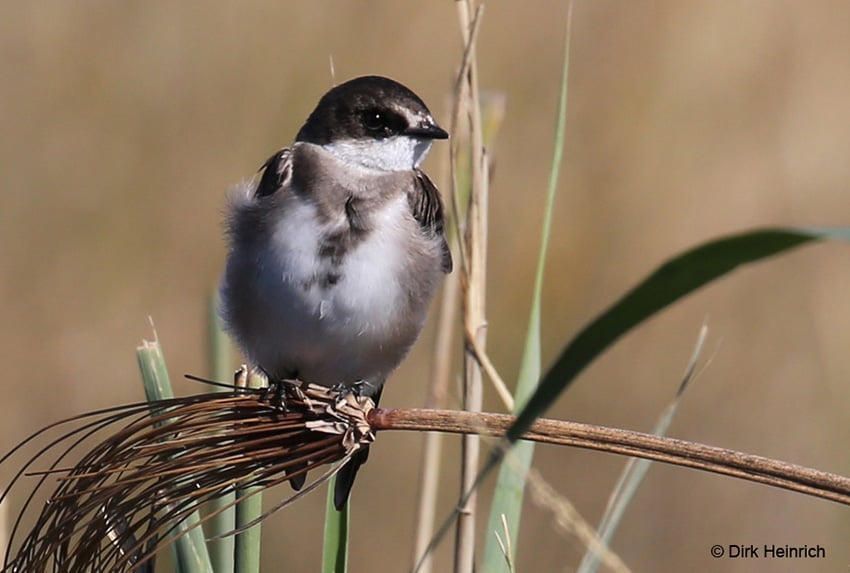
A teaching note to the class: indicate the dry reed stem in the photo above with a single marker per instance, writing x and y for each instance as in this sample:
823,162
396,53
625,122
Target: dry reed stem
427,497
674,451
432,441
474,283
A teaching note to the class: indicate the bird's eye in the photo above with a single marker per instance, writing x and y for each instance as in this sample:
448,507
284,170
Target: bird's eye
373,120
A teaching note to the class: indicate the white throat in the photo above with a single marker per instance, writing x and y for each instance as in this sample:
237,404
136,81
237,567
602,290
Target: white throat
396,153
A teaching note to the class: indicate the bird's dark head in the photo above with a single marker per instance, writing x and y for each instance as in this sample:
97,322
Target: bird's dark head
373,121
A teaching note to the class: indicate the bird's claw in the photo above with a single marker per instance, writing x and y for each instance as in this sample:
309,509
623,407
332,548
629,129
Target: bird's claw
358,389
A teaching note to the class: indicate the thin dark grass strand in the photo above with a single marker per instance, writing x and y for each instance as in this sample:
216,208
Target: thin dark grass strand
152,491
68,534
169,456
77,418
170,414
97,425
57,516
175,517
175,520
88,430
295,497
208,455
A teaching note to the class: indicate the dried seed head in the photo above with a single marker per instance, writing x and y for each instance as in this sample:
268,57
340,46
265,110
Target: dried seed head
125,498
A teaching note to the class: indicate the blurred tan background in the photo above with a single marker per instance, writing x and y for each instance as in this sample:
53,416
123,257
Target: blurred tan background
124,124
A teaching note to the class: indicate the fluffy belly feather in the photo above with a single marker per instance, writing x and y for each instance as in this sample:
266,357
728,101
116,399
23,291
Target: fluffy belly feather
360,326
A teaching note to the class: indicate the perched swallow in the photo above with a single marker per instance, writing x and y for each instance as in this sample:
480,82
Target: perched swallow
336,251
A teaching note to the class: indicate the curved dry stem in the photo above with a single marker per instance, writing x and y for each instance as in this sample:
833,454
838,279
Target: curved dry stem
722,461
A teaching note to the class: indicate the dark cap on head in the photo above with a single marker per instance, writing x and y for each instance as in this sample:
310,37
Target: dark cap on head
369,107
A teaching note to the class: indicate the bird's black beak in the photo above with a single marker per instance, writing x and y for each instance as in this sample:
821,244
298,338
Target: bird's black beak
427,129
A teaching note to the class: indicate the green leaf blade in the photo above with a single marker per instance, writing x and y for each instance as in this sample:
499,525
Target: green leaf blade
510,485
335,543
249,510
190,550
673,280
221,547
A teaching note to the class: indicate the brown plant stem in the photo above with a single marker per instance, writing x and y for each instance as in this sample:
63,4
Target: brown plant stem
473,281
722,461
432,441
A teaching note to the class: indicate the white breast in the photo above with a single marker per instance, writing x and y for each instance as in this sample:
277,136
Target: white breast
337,333
366,296
369,291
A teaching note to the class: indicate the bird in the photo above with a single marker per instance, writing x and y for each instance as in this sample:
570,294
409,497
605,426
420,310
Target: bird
336,251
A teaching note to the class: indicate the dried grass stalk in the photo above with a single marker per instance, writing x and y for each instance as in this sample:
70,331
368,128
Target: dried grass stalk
124,499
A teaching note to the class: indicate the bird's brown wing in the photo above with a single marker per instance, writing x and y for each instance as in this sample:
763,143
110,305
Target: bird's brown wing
277,170
427,207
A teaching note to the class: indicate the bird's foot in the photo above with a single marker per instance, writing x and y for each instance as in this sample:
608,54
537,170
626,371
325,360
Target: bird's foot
358,389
